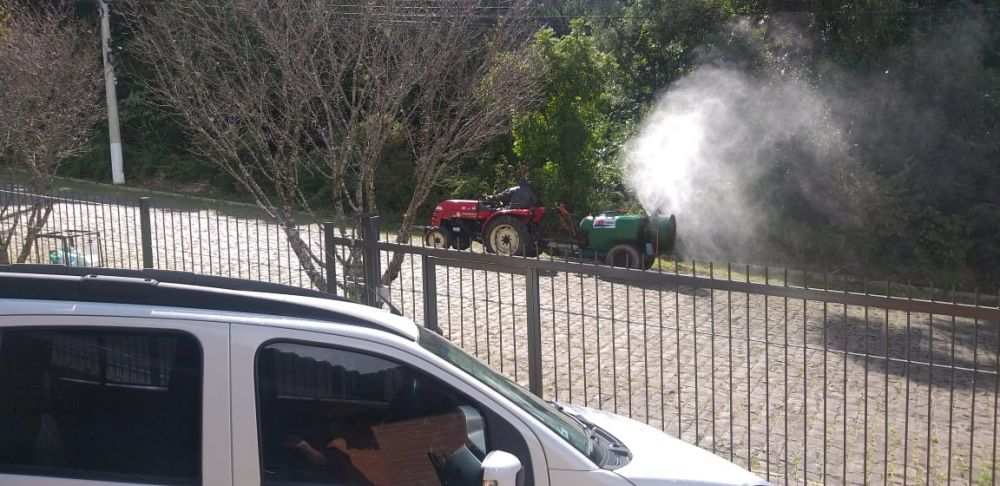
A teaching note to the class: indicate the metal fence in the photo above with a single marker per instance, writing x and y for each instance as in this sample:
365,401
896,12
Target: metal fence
801,377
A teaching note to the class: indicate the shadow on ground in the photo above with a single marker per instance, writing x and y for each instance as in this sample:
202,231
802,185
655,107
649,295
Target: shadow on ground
936,350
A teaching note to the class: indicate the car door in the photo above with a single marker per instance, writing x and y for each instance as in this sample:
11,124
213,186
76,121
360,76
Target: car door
312,407
89,400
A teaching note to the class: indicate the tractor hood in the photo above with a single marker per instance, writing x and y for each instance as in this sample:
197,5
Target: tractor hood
457,205
660,459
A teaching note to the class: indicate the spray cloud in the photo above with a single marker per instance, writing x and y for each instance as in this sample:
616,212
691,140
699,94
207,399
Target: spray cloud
715,136
738,158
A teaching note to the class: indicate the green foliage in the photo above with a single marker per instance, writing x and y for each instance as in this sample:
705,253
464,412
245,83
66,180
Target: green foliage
923,124
982,240
153,150
4,18
395,176
938,240
567,145
657,41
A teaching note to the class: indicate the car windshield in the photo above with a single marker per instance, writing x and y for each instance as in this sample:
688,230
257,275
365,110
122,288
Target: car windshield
562,424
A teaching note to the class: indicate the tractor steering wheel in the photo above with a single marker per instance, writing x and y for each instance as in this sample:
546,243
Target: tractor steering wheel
490,201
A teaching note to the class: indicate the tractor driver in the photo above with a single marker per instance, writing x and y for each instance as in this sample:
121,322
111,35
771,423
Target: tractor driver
520,196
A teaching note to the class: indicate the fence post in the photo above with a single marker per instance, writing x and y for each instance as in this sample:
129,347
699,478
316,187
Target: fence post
331,258
534,315
430,294
146,228
372,262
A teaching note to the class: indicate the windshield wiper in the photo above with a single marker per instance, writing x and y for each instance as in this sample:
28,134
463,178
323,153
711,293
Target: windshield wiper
603,445
580,420
596,449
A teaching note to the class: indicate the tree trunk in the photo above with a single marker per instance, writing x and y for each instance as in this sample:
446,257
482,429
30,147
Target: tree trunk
304,254
370,190
8,238
396,263
40,212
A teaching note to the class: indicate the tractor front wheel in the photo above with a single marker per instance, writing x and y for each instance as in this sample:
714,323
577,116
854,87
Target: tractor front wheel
436,238
625,256
507,236
462,243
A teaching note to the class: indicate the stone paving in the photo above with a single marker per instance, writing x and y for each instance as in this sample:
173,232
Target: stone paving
797,391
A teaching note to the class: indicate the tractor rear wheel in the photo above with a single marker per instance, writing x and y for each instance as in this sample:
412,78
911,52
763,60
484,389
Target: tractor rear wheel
507,236
437,238
625,256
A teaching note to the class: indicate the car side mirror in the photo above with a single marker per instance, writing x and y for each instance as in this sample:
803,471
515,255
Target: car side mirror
502,469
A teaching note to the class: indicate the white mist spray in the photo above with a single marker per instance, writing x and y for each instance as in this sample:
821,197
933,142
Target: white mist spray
710,140
755,168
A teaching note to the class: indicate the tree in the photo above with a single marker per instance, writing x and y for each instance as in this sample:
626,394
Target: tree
569,142
475,78
213,69
276,92
558,15
50,98
657,41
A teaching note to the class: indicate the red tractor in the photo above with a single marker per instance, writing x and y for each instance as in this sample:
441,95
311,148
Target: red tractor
456,223
510,223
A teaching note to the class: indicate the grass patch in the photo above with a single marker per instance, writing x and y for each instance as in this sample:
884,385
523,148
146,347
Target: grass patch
985,476
837,282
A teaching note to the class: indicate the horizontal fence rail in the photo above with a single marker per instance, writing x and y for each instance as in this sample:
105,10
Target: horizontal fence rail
482,261
800,377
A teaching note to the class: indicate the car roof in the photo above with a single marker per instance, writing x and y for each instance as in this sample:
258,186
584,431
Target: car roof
188,290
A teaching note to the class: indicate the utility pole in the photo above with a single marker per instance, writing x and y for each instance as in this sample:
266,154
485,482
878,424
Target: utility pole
117,168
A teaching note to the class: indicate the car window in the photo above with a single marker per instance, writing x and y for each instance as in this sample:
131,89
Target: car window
118,405
336,416
557,421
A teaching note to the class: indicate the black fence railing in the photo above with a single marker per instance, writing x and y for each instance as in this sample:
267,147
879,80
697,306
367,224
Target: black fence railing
801,377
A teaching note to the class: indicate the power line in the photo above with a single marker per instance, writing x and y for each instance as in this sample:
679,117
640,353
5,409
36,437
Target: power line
491,11
841,11
419,11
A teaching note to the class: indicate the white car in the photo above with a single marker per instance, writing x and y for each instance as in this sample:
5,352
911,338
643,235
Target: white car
131,379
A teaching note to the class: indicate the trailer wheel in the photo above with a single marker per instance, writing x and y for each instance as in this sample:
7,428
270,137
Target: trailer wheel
507,236
625,256
437,238
648,262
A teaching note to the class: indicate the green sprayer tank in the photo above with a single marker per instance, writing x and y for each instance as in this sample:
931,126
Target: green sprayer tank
648,235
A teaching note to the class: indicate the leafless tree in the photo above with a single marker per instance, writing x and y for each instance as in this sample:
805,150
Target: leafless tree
49,100
355,70
475,76
277,90
238,99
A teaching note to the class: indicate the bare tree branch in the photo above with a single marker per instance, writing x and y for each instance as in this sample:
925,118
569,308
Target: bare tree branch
211,66
49,101
276,90
472,80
